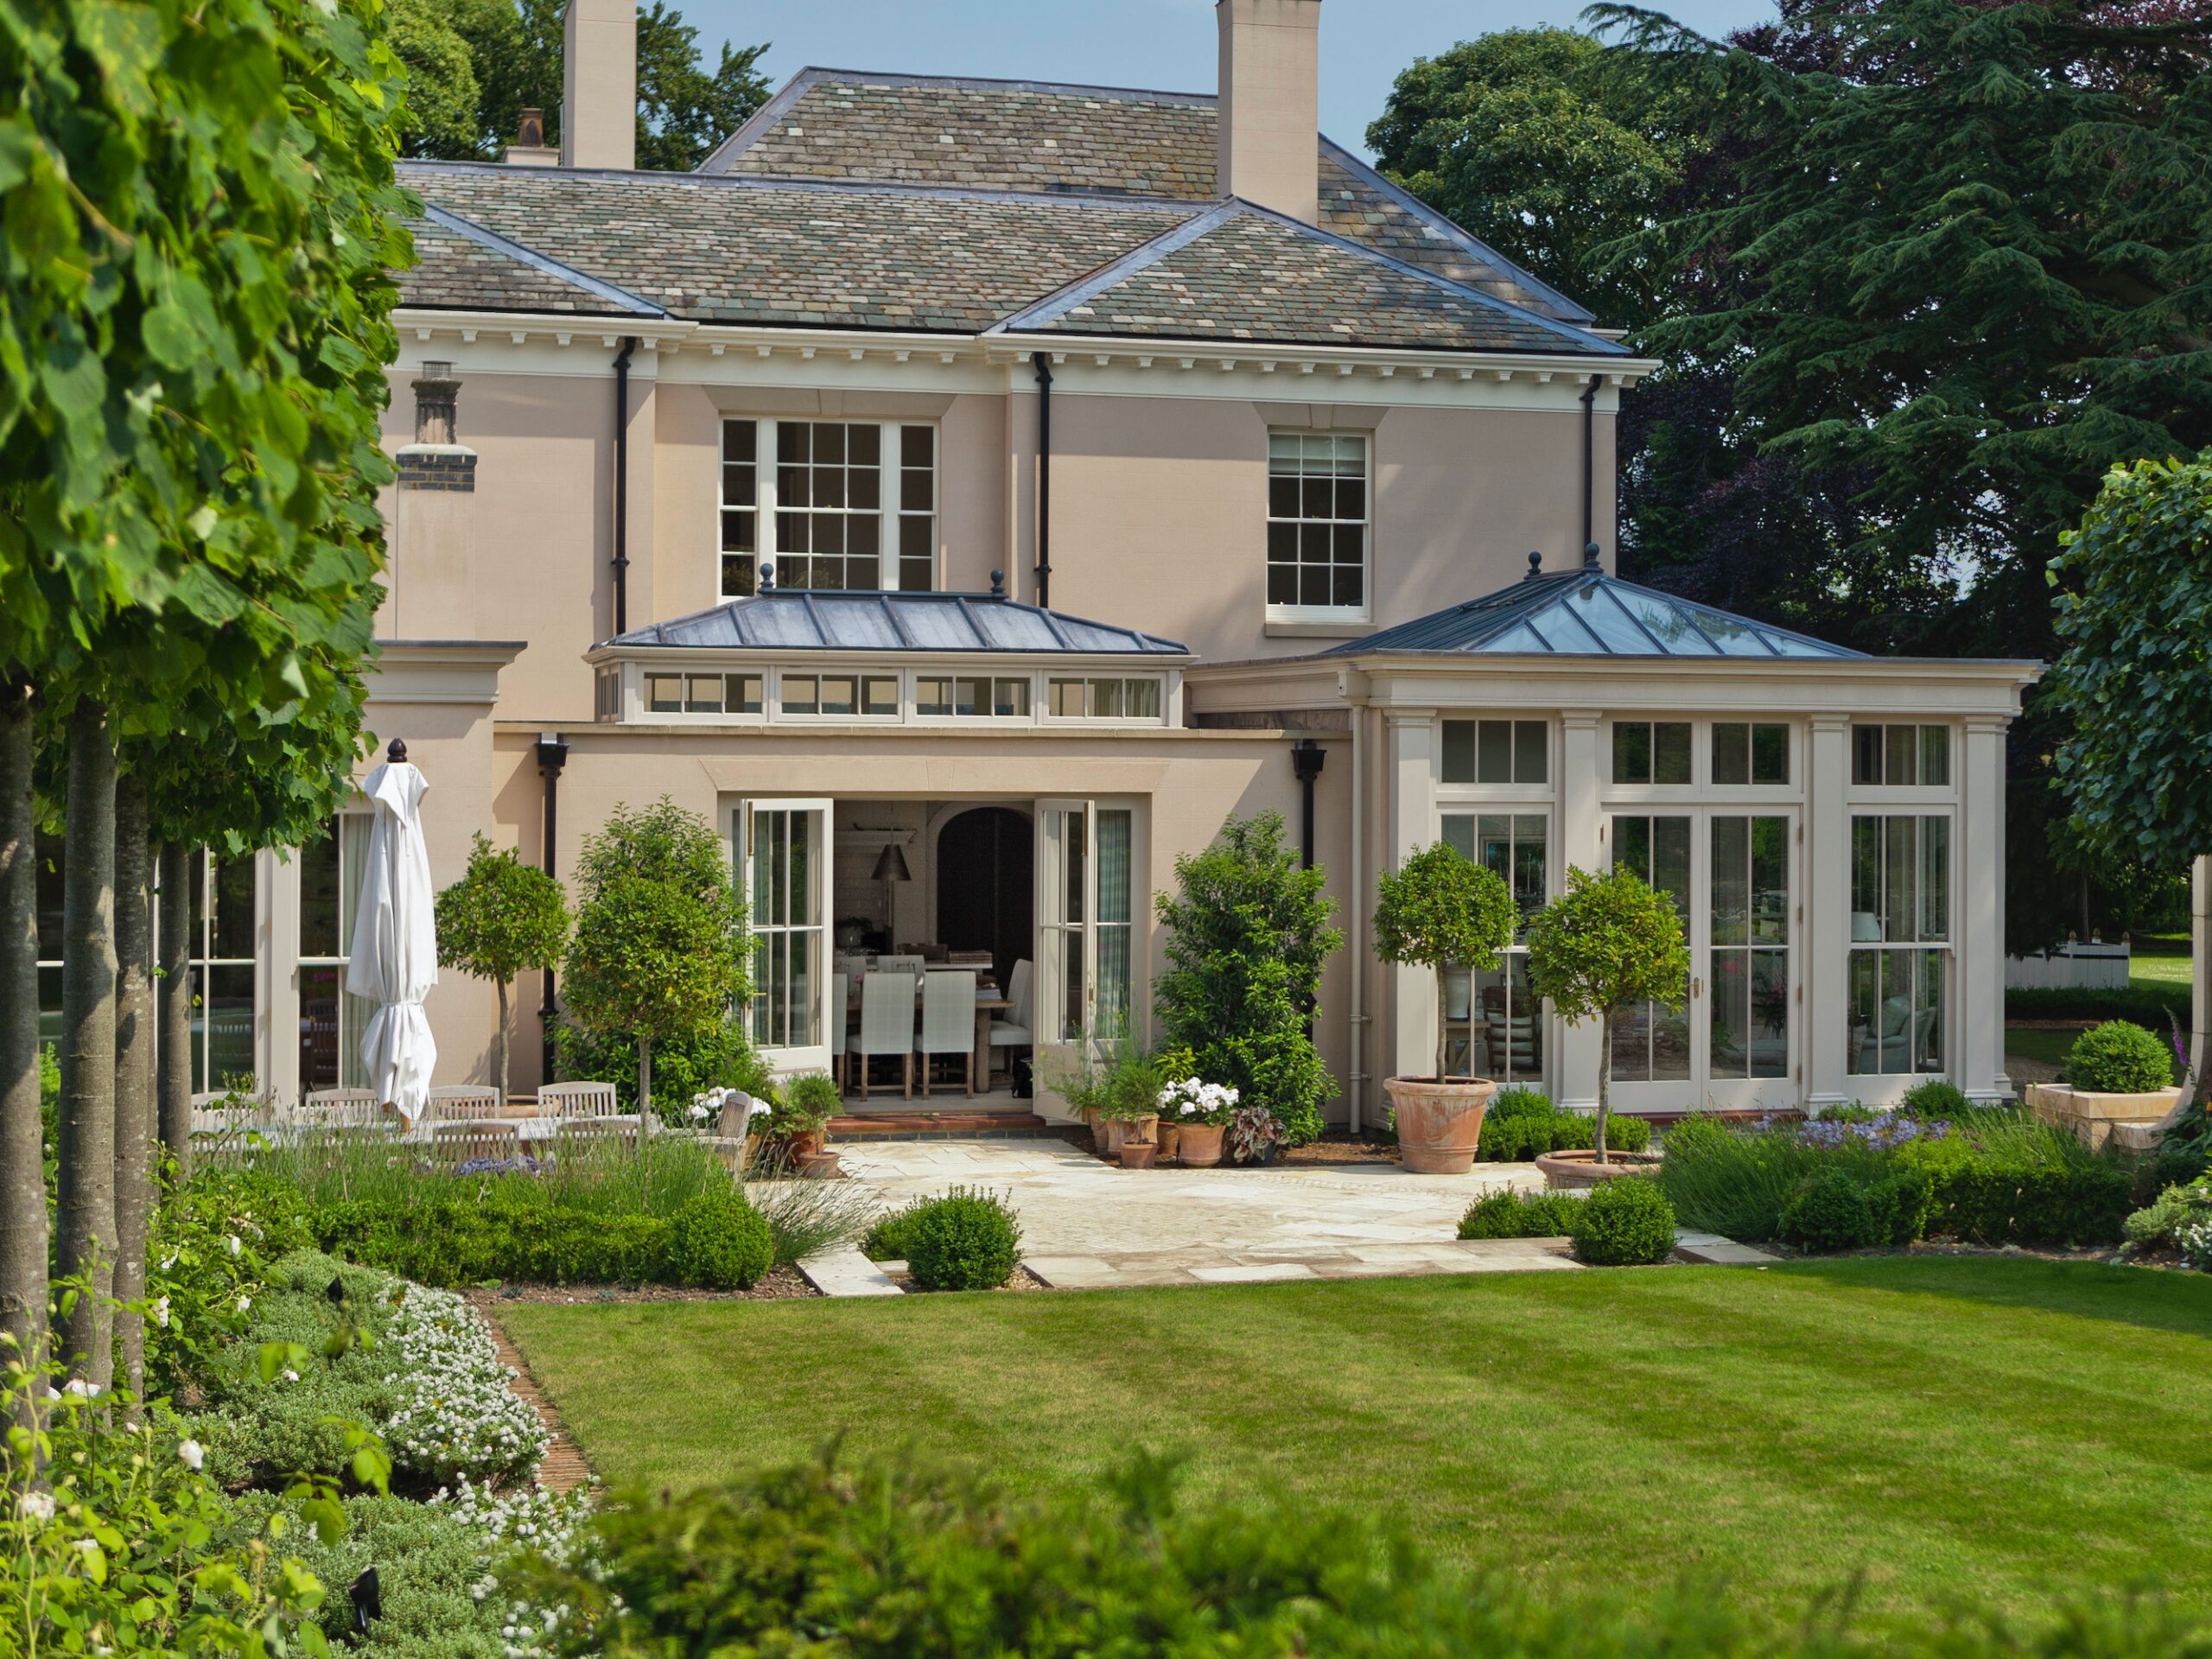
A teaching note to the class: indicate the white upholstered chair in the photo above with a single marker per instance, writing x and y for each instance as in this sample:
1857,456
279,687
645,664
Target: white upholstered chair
948,1023
887,1028
1011,1029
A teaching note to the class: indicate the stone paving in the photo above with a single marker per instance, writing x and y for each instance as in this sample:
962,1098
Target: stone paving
1087,1225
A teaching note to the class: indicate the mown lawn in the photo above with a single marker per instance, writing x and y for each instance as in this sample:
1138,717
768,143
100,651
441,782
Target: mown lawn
2010,1429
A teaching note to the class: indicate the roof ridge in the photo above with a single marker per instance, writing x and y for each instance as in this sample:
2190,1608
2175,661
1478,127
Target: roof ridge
446,219
1050,307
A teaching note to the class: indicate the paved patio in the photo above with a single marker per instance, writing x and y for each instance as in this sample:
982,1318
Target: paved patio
1087,1225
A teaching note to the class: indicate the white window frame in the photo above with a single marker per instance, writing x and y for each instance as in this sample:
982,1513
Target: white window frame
1944,950
1474,810
889,512
811,1056
1361,612
352,1073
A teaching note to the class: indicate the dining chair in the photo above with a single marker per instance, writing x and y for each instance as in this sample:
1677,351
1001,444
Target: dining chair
459,1102
1011,1030
458,1143
949,1022
901,964
343,1108
577,1100
887,1028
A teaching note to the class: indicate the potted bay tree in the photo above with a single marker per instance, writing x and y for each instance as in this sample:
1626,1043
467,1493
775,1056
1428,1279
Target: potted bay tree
1439,910
1606,944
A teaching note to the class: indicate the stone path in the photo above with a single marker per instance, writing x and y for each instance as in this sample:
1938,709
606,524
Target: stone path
563,1468
1716,1251
1091,1225
846,1273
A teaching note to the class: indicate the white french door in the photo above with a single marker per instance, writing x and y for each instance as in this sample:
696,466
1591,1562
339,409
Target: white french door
1085,934
782,850
1733,1044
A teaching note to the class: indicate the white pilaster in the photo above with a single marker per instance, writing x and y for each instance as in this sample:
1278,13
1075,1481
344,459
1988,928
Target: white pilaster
1582,847
1978,893
2200,962
1413,753
1823,995
277,976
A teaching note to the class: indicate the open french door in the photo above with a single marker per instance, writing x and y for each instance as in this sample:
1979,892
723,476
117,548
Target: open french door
1084,932
784,851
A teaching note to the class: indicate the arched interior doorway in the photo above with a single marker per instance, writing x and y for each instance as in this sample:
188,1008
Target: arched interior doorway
985,900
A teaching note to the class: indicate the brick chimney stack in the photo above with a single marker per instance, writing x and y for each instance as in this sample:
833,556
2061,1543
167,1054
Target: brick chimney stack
1270,103
599,103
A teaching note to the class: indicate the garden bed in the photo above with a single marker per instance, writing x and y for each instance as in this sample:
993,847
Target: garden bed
778,1284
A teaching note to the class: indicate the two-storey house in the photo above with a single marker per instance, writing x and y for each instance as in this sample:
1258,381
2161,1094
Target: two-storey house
969,494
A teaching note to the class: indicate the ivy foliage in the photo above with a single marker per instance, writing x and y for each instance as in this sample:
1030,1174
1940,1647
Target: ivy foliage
2135,679
659,949
1247,930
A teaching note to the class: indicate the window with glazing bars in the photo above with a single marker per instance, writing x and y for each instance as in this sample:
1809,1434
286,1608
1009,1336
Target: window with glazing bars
1317,516
833,504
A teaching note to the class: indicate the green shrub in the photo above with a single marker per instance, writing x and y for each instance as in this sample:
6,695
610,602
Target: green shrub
1625,1222
682,1066
1622,1134
2150,1005
967,1240
1515,1139
1936,1100
1508,1104
720,1241
805,1104
2017,1181
2118,1057
1521,1124
892,1235
1508,1214
1829,1211
454,1241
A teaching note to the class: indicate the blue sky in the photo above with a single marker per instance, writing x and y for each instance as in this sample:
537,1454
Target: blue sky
1168,44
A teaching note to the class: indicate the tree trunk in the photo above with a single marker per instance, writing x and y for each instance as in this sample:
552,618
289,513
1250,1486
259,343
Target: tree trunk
174,994
644,1084
1604,1080
134,1075
87,1196
1443,1008
503,1043
23,1137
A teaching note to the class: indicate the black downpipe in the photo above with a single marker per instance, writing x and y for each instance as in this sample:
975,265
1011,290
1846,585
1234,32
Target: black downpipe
622,483
1043,479
552,756
1590,553
1306,759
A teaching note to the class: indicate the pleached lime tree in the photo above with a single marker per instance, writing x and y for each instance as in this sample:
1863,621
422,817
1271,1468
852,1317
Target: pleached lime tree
503,918
659,949
1607,944
194,289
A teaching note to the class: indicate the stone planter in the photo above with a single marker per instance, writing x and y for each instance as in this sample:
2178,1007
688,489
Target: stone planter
1579,1166
2097,1118
1440,1120
1201,1145
1138,1155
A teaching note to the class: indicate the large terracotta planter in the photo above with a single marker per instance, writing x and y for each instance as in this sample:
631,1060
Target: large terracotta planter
1106,1136
1138,1155
1439,1122
1200,1145
1579,1166
1168,1137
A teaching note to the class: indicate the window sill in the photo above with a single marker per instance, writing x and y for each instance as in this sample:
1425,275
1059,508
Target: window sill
1348,629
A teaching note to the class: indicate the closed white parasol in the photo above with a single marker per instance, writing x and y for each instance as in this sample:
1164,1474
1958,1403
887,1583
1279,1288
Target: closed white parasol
394,959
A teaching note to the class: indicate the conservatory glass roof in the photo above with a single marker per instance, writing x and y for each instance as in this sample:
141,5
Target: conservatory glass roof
800,620
1586,612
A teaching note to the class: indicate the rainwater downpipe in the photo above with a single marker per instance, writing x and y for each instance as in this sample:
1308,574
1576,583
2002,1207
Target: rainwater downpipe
552,756
1043,479
1355,698
1590,470
622,483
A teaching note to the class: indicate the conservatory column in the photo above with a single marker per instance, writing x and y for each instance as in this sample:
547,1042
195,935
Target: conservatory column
276,976
1581,846
1412,765
1823,1000
1978,903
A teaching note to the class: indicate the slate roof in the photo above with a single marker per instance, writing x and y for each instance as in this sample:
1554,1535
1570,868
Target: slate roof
907,622
458,264
1008,135
1240,272
1588,613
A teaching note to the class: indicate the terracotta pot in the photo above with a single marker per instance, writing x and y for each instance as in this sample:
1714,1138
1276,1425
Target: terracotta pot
1138,1155
1107,1134
1145,1128
804,1147
1578,1167
820,1167
1201,1145
1168,1137
1439,1122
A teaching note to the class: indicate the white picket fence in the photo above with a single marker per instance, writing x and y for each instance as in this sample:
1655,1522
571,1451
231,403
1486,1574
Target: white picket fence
2070,968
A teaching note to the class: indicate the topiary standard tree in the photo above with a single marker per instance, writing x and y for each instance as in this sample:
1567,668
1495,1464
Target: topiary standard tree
1247,933
503,918
1440,910
1607,943
659,949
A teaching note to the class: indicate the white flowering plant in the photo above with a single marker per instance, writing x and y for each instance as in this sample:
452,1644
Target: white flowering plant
1195,1103
454,1416
212,1239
